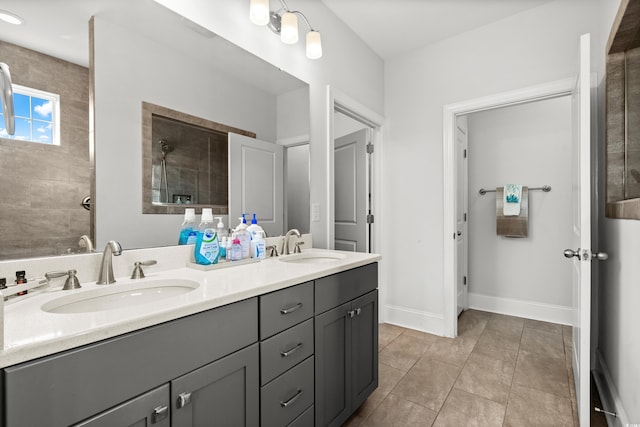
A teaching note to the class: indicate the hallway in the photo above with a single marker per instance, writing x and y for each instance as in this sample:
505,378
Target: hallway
500,371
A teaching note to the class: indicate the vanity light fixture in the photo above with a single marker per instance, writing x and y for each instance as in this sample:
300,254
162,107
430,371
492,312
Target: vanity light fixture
284,22
10,18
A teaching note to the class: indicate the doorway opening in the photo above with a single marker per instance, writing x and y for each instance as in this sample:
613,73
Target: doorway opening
354,143
452,185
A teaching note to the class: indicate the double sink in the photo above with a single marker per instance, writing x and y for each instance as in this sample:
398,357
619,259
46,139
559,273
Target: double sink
147,291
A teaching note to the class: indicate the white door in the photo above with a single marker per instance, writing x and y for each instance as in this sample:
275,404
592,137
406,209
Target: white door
582,255
351,189
256,182
462,197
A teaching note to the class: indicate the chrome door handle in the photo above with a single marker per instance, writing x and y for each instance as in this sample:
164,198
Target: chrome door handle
291,309
293,399
291,351
599,256
570,253
159,414
183,400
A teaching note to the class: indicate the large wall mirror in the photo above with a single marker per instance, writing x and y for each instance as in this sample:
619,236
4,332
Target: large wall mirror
140,53
623,114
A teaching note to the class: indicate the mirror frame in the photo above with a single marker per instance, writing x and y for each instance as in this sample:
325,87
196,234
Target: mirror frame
621,38
148,111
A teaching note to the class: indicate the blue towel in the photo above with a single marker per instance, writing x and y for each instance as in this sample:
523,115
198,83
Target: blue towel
512,199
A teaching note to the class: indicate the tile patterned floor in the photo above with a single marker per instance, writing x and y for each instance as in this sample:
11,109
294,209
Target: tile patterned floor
500,371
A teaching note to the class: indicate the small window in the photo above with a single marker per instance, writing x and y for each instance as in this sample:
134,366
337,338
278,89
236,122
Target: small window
37,116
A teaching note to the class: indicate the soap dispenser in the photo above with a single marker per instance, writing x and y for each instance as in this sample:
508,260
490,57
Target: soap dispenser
243,236
188,230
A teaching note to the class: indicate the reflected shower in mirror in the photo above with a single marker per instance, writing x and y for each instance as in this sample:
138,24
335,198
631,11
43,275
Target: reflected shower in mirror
185,161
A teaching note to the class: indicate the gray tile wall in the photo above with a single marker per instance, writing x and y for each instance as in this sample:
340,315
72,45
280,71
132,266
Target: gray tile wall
197,166
41,186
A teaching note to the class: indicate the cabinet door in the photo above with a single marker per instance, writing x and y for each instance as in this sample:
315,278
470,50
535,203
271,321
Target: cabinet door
150,409
333,366
222,393
364,350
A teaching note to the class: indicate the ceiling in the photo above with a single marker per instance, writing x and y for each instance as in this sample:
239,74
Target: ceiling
394,27
389,27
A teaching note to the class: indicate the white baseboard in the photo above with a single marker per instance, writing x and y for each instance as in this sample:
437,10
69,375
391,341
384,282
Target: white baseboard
609,394
414,319
521,308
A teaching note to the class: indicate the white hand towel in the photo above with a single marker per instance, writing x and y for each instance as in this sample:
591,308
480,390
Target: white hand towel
512,199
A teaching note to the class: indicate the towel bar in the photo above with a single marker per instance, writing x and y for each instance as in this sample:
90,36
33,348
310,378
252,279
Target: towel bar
545,188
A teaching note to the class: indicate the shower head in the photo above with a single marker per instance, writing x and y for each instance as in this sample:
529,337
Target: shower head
165,146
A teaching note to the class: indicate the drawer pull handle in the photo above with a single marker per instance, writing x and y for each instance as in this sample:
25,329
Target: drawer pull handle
358,311
293,399
291,351
159,414
291,309
183,400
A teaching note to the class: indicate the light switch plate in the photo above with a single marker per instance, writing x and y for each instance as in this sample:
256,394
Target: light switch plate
315,212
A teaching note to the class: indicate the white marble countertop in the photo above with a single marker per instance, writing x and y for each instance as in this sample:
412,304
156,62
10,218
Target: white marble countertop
30,332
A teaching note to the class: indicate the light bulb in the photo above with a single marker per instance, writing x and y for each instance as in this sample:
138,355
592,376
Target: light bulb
259,12
289,28
314,45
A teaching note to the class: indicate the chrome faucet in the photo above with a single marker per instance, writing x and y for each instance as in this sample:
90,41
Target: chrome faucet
85,242
106,265
285,241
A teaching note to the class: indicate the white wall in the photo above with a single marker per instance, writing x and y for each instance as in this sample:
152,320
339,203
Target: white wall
537,46
293,116
529,144
130,69
619,292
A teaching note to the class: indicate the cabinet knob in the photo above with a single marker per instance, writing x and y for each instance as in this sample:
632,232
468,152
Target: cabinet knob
183,400
159,414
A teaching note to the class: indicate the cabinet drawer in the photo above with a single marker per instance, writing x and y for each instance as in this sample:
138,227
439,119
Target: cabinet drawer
304,420
285,350
286,397
331,291
282,309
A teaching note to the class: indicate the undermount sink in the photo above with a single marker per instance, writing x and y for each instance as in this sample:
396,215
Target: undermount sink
312,257
119,296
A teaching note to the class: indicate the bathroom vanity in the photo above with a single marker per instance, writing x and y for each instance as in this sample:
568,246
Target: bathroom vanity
298,348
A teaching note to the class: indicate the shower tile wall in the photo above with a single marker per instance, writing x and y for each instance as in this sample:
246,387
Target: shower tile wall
42,186
197,165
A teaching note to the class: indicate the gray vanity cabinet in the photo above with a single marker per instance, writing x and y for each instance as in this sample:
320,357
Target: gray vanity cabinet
346,343
75,385
151,408
223,393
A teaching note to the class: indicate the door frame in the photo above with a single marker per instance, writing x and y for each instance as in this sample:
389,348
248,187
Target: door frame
338,101
450,112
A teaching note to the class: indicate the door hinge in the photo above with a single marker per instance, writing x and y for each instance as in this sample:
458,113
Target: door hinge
465,153
370,219
464,280
369,148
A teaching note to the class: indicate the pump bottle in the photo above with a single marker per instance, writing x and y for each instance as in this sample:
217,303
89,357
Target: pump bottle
188,230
